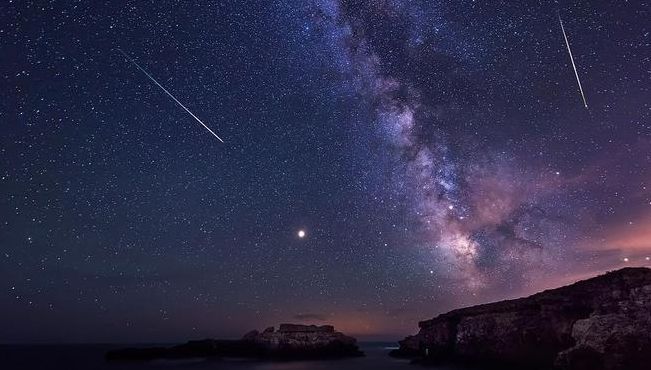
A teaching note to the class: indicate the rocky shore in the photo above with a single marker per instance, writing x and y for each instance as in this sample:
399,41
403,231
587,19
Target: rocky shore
603,323
289,342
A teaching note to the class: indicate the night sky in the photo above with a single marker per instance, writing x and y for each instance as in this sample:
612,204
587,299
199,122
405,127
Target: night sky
436,154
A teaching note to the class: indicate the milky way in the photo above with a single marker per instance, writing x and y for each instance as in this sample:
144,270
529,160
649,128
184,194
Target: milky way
487,218
435,154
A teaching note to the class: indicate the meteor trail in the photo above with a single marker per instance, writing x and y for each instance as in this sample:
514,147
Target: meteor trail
585,103
168,93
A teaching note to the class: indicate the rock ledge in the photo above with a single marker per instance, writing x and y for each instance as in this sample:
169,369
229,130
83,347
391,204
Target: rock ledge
603,323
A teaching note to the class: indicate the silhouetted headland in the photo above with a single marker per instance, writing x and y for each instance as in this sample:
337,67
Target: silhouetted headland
289,342
603,323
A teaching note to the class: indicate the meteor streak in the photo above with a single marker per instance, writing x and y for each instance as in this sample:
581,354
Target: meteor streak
585,103
168,93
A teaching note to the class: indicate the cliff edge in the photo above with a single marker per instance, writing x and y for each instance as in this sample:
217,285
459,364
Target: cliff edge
603,323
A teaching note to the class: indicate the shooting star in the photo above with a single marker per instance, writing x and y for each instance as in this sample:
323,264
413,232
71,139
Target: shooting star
168,93
576,73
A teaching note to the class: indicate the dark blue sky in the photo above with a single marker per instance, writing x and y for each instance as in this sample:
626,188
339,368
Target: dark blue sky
437,154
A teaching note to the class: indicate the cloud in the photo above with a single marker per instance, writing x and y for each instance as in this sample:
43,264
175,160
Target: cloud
311,316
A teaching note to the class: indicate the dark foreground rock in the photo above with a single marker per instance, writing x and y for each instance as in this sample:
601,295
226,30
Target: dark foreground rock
287,343
603,323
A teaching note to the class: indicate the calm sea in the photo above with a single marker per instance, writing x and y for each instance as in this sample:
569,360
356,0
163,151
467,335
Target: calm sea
91,357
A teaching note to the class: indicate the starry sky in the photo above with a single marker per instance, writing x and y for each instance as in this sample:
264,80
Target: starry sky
435,154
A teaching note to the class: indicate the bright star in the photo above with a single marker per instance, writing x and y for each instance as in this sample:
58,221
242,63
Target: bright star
301,234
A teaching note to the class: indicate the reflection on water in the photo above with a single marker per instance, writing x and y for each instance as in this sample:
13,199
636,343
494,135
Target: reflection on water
91,357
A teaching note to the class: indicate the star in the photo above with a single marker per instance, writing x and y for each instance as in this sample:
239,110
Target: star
301,233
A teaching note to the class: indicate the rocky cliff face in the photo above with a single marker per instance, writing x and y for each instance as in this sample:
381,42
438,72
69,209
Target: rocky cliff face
603,323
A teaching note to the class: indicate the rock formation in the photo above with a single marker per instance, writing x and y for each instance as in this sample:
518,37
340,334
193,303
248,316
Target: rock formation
603,323
289,342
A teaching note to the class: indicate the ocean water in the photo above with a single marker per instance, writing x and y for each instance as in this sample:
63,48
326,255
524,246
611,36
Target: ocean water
91,357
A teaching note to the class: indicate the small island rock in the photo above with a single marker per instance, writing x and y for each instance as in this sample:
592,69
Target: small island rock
304,340
289,342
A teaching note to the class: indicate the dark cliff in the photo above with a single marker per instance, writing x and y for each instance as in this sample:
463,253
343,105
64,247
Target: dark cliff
600,323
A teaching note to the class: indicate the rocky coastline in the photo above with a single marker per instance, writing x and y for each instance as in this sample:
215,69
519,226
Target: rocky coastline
603,323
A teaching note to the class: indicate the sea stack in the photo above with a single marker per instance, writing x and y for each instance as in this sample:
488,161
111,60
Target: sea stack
603,323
